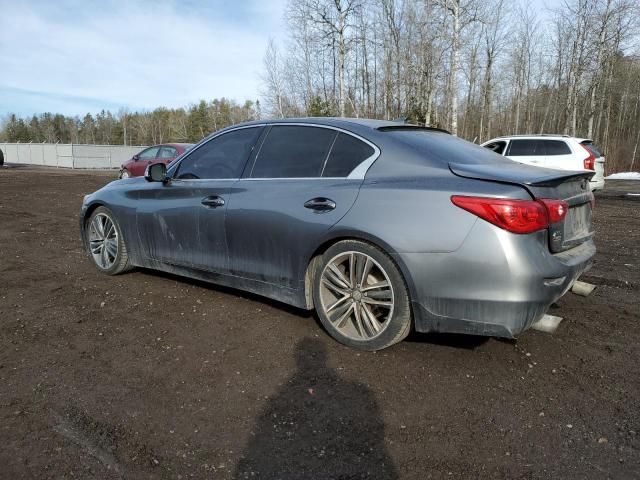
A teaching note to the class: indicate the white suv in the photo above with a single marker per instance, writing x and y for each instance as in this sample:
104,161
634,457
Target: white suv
561,152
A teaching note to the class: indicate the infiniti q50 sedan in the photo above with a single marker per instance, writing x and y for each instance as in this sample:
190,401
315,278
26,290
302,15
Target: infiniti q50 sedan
380,227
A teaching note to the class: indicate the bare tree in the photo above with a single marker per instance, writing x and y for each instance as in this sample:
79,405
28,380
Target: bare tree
273,80
462,14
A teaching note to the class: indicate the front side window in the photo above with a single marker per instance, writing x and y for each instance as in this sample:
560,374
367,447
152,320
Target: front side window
167,152
222,157
524,147
291,151
346,154
557,147
149,153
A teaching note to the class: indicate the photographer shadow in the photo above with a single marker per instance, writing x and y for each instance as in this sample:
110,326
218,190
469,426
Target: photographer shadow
318,426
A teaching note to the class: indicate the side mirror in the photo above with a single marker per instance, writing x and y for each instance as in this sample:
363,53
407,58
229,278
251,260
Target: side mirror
135,157
156,172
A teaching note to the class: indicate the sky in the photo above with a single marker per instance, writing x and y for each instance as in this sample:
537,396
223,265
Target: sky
79,56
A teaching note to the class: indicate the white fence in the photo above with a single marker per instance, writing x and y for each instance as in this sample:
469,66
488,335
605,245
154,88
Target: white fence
68,155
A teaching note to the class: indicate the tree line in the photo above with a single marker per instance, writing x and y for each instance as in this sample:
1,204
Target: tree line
161,125
479,68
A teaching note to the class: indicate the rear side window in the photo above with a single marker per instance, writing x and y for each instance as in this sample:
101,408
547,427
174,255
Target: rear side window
556,147
291,151
167,152
522,147
346,154
222,157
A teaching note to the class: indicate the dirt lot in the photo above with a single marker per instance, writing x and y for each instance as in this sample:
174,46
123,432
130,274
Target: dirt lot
151,376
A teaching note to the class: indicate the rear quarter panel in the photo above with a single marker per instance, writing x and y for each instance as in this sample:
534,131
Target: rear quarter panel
415,215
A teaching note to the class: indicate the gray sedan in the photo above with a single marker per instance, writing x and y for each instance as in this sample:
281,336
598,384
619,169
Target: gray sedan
380,227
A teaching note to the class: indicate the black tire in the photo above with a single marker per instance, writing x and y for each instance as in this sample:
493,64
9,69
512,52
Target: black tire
124,173
121,261
396,327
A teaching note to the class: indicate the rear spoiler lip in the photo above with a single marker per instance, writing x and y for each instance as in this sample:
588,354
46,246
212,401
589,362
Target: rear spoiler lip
410,127
544,180
556,180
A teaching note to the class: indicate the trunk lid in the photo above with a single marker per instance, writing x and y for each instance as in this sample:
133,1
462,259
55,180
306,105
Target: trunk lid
570,186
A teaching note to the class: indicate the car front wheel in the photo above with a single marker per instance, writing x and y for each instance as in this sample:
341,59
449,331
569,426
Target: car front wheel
124,173
361,297
105,242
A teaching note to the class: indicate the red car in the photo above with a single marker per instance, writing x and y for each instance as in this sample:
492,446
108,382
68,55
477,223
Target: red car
165,153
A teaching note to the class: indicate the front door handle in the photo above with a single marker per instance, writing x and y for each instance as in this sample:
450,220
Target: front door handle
213,201
320,204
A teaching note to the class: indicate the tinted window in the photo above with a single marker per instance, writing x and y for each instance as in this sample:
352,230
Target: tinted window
592,148
167,152
444,148
222,157
293,152
557,147
149,153
526,147
346,154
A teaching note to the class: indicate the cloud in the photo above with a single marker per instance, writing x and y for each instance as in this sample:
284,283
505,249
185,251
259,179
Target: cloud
137,55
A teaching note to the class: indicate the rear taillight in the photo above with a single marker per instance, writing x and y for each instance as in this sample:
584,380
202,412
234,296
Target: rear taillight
556,209
516,216
590,161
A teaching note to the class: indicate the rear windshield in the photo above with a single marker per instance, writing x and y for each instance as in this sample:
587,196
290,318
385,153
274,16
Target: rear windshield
592,148
445,147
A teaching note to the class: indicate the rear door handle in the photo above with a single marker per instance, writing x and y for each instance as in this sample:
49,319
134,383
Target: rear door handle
320,204
213,201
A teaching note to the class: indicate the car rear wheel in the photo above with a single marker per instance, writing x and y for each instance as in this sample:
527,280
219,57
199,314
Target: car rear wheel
361,297
125,173
105,242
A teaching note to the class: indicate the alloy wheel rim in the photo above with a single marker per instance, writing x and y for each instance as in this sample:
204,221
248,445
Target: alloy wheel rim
103,241
356,295
124,174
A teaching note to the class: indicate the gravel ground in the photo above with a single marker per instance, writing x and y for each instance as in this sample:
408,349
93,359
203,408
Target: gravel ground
153,376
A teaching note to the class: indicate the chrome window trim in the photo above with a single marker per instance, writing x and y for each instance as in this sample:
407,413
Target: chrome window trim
358,173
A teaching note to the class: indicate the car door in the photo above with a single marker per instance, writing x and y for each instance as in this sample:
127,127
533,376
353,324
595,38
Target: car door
559,156
527,150
182,222
294,190
145,157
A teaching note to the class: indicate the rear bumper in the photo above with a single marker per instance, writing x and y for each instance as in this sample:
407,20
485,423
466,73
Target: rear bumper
496,283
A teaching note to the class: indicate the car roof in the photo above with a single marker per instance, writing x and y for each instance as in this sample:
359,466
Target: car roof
363,126
329,121
535,135
541,135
